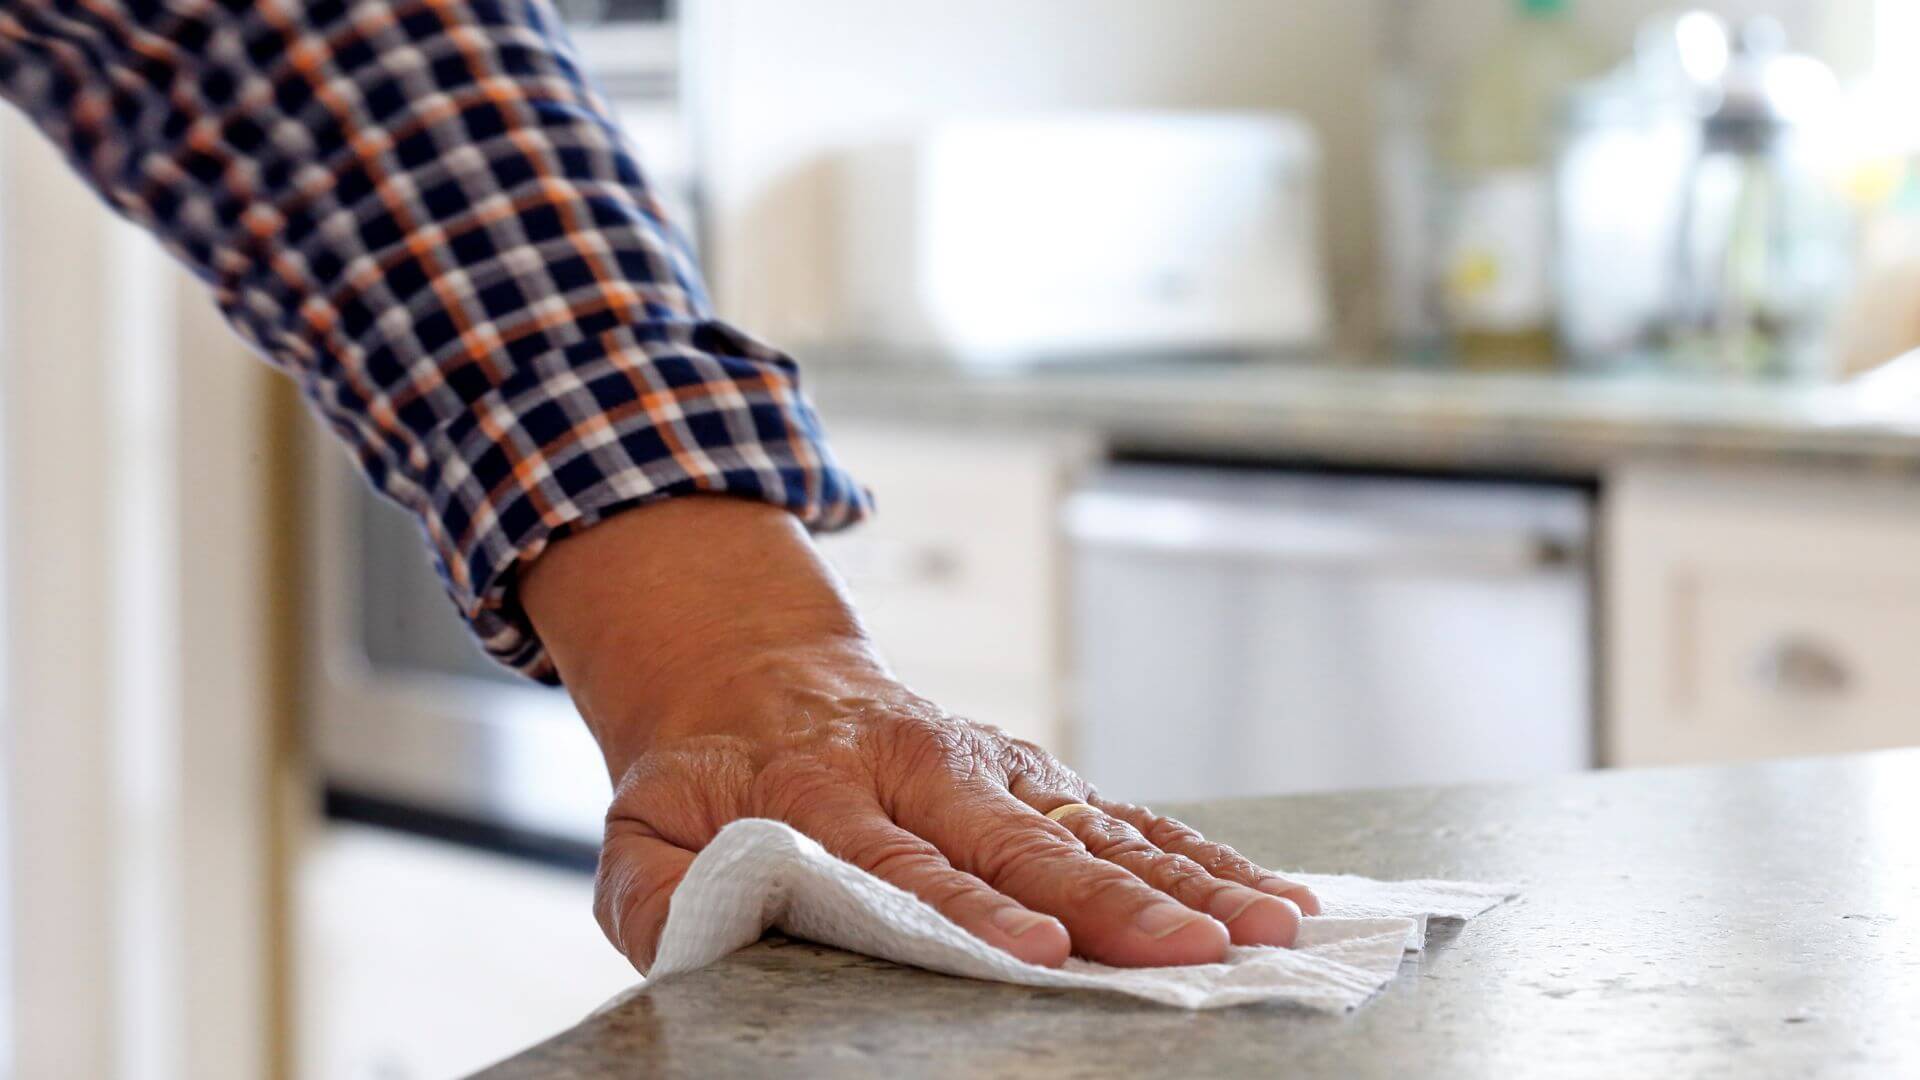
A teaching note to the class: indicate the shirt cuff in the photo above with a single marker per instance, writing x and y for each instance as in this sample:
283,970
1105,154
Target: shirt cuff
635,415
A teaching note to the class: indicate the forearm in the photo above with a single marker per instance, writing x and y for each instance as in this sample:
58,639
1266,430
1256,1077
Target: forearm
726,676
425,215
688,615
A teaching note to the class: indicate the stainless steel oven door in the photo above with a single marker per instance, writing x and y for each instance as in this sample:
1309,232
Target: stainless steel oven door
406,711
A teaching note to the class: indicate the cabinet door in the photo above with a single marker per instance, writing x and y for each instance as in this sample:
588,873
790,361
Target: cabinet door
417,959
1760,615
958,575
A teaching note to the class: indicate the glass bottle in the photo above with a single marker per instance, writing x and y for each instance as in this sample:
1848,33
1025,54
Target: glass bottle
1762,244
1495,262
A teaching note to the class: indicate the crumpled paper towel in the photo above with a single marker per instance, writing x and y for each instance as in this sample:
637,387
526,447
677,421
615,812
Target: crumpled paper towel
759,874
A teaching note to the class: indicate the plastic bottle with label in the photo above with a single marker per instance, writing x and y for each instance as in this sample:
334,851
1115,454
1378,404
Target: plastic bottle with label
1495,262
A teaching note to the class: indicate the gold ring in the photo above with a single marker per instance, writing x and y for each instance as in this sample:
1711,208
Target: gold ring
1070,809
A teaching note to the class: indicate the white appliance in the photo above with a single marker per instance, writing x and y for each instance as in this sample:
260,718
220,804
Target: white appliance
1260,633
1084,234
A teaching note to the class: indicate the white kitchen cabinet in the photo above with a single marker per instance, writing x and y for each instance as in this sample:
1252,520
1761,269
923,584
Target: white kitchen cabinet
1746,612
416,959
1757,614
960,576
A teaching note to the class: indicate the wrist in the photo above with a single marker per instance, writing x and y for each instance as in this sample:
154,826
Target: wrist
769,691
696,616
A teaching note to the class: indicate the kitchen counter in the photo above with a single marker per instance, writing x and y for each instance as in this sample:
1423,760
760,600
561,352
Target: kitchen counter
1399,418
1741,921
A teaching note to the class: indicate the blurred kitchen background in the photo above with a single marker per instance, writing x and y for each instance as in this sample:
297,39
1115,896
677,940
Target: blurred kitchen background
1259,398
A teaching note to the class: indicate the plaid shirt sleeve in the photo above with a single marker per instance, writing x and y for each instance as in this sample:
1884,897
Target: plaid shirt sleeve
422,211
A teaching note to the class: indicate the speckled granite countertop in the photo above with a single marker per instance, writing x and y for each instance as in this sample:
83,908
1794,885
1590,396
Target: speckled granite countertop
1372,416
1745,921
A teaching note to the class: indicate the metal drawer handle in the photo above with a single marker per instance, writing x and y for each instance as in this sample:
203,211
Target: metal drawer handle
1308,538
1800,666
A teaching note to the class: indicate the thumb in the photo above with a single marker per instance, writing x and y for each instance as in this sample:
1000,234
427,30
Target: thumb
632,891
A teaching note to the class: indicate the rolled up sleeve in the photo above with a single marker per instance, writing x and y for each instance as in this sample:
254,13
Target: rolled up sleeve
424,213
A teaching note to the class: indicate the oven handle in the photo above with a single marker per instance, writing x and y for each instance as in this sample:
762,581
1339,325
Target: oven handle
1308,538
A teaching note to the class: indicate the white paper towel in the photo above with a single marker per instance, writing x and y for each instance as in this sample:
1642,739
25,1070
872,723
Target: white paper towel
759,874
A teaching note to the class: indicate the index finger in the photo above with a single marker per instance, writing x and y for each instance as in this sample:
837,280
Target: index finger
859,833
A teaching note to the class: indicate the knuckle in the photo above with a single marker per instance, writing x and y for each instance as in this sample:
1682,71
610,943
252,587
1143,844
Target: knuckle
1027,748
946,889
1121,843
1218,858
1094,886
920,746
1031,759
1225,860
1035,771
1169,833
886,856
1011,853
1228,866
939,736
1178,870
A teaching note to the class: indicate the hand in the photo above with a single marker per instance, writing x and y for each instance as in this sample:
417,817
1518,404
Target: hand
747,690
948,810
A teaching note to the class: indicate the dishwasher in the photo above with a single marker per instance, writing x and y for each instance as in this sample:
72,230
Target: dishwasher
1251,632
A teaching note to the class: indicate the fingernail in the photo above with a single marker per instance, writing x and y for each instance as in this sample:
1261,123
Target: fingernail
1229,904
1278,886
1160,920
1015,921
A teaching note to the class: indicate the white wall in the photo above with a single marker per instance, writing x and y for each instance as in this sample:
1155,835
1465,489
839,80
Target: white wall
58,708
136,711
779,86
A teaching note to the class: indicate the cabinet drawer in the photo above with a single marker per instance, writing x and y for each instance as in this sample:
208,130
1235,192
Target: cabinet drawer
958,572
1759,613
1782,663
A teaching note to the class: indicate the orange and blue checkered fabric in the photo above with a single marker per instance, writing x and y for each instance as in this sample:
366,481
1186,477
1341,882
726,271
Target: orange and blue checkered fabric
423,212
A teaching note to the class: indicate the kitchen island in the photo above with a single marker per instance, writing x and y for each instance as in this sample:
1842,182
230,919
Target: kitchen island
1741,921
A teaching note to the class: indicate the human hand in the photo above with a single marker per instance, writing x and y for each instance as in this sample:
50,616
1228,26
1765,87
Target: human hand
782,711
951,811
